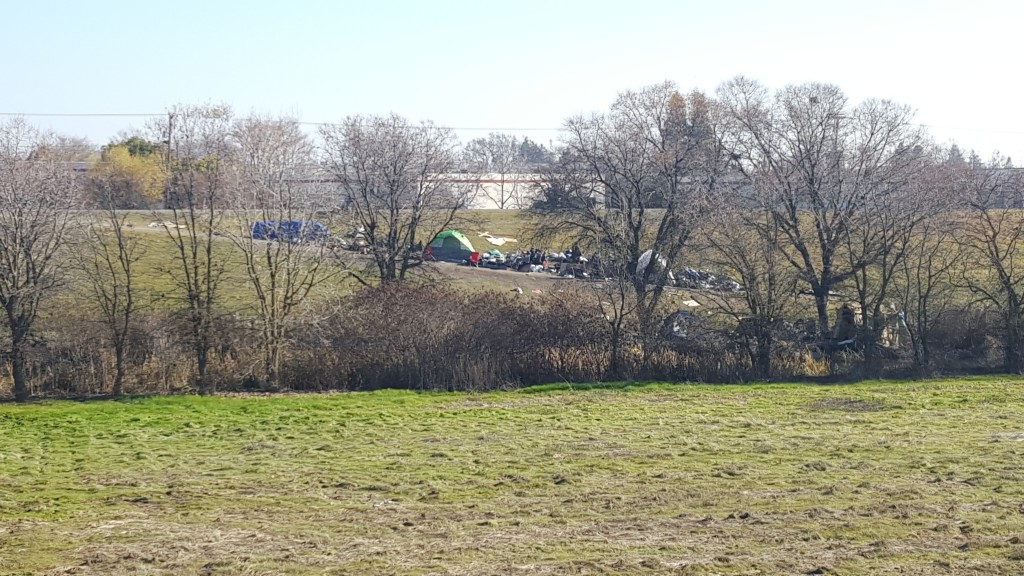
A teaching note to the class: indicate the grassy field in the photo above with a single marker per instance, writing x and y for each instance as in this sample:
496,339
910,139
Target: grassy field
157,267
874,478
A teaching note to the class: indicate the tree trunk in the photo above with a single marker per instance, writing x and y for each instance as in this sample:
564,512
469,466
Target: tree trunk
647,343
19,373
273,361
821,305
869,340
119,370
1014,353
764,353
923,324
202,383
917,346
19,337
614,363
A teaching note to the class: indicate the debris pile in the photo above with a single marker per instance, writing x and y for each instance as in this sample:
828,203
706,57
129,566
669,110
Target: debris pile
693,279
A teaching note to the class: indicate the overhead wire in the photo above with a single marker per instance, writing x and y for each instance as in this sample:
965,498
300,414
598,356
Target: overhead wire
303,123
460,128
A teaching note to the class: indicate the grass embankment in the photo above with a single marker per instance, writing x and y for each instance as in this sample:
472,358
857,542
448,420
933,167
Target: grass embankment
875,478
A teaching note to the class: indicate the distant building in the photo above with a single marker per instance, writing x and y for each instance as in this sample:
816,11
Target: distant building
499,191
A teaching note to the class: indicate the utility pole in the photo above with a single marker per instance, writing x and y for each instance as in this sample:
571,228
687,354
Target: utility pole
167,158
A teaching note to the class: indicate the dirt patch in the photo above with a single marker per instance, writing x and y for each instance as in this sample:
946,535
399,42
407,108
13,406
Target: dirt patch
1008,437
847,405
497,279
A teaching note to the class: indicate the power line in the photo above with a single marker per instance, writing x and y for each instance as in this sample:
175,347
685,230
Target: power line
478,128
310,123
462,128
83,114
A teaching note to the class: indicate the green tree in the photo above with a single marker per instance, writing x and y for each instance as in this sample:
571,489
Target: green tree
139,146
533,153
129,180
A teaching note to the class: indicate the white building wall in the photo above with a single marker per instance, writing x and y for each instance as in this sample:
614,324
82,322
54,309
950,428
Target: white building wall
500,191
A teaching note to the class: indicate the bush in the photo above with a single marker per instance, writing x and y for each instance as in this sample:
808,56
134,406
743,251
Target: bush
433,338
436,338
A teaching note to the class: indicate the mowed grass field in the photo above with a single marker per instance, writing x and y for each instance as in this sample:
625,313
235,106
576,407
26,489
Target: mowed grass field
873,478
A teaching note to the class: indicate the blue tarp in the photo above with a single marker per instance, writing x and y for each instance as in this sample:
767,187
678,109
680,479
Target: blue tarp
289,231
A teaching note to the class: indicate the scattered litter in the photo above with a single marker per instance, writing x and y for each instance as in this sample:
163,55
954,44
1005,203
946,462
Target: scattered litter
165,225
497,240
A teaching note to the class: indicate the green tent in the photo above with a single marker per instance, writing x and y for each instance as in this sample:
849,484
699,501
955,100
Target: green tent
451,245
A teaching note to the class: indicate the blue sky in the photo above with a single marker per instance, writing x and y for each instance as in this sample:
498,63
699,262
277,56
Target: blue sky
503,65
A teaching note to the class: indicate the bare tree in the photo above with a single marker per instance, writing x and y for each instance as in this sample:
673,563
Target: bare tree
73,150
499,160
618,304
396,178
278,192
892,213
991,239
817,165
38,189
923,286
637,179
108,265
198,152
748,241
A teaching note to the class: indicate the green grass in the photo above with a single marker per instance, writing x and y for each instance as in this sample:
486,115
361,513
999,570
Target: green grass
874,478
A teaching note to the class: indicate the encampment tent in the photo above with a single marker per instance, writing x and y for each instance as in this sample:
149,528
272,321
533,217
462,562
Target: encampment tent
451,245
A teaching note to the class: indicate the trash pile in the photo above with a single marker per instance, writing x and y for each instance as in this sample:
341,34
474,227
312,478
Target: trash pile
354,240
293,231
693,279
